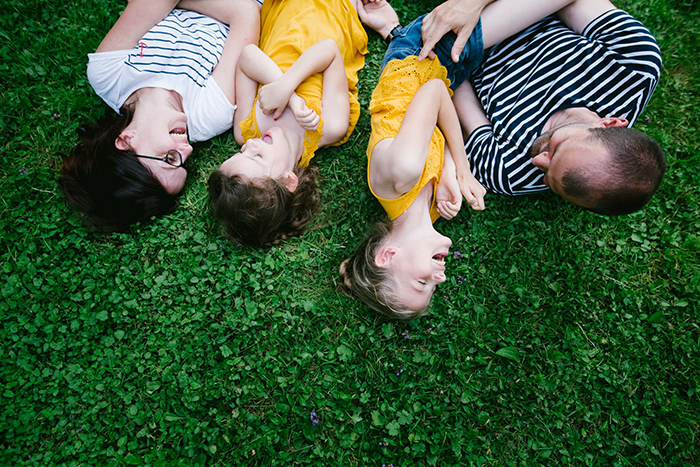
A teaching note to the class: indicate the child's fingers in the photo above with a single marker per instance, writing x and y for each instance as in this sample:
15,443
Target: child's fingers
479,195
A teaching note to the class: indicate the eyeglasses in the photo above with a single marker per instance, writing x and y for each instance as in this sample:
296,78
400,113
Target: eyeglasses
172,157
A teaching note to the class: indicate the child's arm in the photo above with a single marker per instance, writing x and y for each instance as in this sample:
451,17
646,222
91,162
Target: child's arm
447,194
398,167
448,122
325,57
254,66
137,19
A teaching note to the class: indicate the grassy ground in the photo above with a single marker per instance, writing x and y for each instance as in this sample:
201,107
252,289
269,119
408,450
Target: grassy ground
560,337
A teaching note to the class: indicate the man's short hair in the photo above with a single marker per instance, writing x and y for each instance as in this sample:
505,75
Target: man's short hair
636,164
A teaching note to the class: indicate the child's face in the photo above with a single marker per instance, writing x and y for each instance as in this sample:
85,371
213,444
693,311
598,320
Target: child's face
419,268
266,157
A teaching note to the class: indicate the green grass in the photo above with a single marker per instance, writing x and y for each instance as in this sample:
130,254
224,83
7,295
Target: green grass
560,337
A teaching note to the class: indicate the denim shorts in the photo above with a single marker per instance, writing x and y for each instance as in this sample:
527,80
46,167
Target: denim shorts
408,41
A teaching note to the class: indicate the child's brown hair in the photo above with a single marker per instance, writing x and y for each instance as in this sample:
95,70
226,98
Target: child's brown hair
260,212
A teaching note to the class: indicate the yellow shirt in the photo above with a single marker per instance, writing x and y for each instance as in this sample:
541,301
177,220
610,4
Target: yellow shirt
288,28
397,85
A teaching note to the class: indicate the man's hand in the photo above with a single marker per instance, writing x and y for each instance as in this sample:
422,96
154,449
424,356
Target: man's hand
459,16
378,15
473,192
306,117
274,97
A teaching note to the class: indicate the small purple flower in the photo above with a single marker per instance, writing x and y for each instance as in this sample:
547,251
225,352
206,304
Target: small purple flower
405,334
56,116
647,119
398,372
314,419
23,171
457,254
460,279
441,391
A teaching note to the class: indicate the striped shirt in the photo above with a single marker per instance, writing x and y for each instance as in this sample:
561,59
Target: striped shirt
178,54
611,69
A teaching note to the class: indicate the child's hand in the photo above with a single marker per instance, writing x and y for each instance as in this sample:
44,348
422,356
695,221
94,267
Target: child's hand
307,118
473,191
273,98
448,197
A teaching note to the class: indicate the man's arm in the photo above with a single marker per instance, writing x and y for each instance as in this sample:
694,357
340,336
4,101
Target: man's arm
580,13
137,19
469,110
503,18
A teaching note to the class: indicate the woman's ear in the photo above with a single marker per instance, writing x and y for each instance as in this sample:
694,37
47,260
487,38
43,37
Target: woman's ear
123,141
384,256
290,181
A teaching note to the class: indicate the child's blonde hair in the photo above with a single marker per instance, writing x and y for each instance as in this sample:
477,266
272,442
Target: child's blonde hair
375,286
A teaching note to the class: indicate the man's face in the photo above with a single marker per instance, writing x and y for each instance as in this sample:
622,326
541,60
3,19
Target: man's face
565,148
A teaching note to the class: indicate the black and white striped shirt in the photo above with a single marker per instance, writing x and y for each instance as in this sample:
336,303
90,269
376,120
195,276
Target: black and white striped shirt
611,69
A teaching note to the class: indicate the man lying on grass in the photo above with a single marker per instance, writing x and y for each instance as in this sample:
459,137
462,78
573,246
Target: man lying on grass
551,107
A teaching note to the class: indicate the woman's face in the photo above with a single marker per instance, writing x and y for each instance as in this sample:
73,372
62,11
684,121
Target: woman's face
268,157
418,267
154,131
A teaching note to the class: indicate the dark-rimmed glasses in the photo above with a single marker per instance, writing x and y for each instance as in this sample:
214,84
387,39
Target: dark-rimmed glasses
172,157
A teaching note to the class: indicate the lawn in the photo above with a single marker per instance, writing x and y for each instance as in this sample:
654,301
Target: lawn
560,337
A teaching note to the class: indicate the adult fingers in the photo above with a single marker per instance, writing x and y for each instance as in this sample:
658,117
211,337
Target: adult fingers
432,31
460,42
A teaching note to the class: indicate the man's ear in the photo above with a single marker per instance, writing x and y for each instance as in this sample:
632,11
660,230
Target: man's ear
123,141
614,121
384,256
290,181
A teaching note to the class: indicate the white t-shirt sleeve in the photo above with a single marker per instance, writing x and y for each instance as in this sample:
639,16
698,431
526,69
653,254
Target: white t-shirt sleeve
104,72
209,112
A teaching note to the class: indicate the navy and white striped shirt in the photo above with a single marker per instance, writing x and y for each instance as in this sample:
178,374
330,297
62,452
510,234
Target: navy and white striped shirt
611,69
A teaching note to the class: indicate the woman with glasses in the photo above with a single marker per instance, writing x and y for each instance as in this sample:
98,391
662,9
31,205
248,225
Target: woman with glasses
169,74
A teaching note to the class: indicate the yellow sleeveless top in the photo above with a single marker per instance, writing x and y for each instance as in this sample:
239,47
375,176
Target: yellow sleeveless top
288,28
397,85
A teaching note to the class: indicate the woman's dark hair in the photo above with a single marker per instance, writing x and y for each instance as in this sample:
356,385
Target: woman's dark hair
109,185
373,285
258,213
